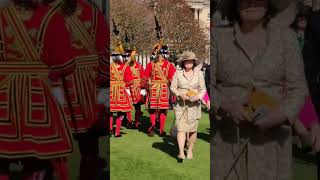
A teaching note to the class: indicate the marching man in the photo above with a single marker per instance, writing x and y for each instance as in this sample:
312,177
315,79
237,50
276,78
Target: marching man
120,82
160,73
89,51
34,131
137,90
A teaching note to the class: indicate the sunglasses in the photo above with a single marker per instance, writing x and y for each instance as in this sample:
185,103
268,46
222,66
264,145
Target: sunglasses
244,4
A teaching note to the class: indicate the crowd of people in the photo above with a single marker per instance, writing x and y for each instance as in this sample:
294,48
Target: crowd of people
54,63
159,86
265,65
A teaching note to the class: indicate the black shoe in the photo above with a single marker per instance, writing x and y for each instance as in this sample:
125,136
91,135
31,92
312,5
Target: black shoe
129,125
180,160
135,126
151,134
163,134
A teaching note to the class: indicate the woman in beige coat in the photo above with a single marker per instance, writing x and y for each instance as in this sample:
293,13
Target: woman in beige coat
188,106
254,54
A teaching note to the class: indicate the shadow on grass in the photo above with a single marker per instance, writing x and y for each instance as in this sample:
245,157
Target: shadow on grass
104,175
144,124
205,135
168,146
302,156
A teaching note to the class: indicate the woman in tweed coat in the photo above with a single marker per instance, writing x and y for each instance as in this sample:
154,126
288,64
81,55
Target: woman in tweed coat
187,109
255,54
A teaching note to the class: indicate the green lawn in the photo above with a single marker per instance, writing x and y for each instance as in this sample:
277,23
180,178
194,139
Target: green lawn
74,160
304,171
304,167
136,156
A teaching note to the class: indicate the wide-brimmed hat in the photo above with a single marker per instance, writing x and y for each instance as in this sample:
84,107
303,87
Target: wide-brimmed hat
188,55
280,5
303,10
276,5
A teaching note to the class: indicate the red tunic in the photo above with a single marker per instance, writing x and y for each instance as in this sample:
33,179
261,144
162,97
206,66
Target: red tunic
31,122
159,74
120,80
89,40
137,72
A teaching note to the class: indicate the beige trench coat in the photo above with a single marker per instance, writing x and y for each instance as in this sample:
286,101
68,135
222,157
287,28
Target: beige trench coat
187,114
268,154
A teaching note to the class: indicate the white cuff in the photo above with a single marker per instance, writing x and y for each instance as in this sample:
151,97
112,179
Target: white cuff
143,92
103,96
58,93
128,91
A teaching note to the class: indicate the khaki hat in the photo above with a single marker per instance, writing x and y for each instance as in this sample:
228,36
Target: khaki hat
188,55
280,5
277,5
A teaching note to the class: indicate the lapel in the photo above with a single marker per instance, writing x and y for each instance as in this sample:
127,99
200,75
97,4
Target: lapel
239,40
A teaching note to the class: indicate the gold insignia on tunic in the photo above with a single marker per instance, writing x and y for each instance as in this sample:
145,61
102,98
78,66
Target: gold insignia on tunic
87,24
9,32
78,11
23,13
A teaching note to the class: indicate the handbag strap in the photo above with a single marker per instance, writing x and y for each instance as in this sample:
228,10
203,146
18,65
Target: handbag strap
185,109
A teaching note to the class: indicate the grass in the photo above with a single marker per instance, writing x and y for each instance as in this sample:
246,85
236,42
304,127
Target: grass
74,160
136,156
304,166
304,170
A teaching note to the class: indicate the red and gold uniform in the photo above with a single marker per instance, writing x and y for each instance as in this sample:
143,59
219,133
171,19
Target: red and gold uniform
159,73
120,80
120,102
138,74
35,48
89,40
137,98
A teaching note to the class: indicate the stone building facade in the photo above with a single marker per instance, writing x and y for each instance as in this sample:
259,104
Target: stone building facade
201,10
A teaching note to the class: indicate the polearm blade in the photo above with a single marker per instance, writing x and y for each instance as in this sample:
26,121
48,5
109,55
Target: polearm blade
126,39
115,30
158,28
132,36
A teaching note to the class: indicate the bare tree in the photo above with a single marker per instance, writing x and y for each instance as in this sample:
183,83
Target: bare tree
180,30
136,19
180,27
